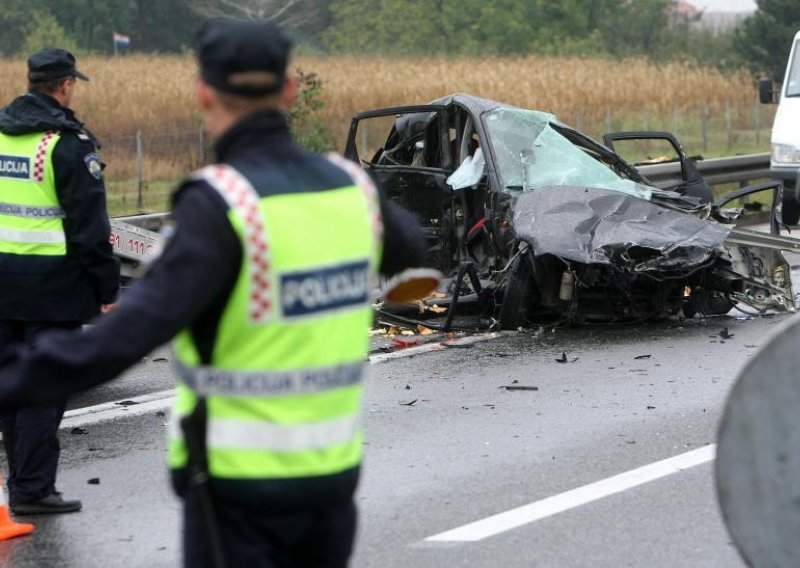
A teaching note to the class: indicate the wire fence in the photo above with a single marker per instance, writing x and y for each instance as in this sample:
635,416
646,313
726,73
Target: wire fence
144,167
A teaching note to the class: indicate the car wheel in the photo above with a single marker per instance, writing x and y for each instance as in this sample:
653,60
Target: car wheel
707,303
790,211
519,295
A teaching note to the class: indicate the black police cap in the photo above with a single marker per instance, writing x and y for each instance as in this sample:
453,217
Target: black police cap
52,63
240,57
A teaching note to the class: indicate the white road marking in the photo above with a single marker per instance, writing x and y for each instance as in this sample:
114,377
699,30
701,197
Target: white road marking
431,347
151,402
550,506
162,400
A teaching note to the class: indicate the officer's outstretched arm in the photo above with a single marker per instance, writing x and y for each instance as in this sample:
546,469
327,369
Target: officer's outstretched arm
197,269
403,242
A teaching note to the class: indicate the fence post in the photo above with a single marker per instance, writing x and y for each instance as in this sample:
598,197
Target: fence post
201,149
676,120
757,114
578,119
139,171
729,123
704,125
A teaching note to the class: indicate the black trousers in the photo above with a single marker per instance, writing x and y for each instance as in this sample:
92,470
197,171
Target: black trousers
314,539
30,434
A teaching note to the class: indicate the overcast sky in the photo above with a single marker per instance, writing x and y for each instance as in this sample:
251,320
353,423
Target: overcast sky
725,5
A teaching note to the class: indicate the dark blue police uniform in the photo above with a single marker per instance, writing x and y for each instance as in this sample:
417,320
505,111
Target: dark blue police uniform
41,293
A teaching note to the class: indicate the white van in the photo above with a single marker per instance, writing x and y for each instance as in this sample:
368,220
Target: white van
785,157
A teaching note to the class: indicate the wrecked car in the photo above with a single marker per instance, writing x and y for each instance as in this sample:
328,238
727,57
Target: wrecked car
530,219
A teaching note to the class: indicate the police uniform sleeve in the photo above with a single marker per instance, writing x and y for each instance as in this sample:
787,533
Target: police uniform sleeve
81,192
403,239
199,266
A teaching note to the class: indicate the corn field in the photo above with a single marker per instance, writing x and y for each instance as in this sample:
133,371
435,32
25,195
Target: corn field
713,113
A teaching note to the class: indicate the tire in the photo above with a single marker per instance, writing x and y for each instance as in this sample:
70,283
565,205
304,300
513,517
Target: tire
519,296
790,211
707,304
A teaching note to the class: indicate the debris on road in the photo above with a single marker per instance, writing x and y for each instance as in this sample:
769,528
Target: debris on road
519,388
643,357
563,358
724,334
77,431
410,403
398,344
94,481
126,403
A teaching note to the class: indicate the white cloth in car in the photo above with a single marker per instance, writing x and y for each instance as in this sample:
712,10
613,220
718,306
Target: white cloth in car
469,172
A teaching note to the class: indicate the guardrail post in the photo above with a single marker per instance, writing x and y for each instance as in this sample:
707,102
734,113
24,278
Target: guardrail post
139,171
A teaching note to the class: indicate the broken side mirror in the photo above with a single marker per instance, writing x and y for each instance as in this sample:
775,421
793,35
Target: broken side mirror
766,91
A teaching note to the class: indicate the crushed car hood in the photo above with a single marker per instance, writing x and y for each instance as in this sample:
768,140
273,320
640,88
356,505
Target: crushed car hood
600,226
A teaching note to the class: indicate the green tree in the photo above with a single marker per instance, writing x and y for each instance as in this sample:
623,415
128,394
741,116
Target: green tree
765,38
13,19
43,30
637,28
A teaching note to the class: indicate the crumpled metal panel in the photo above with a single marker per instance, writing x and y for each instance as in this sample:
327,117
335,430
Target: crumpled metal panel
599,226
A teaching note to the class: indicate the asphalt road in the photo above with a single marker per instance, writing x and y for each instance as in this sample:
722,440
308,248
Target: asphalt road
466,449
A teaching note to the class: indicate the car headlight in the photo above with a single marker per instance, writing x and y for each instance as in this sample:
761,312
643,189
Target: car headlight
785,153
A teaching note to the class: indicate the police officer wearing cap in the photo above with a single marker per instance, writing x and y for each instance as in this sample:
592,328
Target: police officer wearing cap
57,268
264,286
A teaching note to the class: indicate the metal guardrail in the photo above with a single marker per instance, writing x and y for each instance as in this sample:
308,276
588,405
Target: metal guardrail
716,171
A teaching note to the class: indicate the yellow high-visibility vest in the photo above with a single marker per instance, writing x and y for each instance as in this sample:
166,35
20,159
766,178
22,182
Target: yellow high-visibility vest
283,386
31,218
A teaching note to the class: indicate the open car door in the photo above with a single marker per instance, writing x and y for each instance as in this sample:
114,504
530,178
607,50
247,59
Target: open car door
691,184
406,150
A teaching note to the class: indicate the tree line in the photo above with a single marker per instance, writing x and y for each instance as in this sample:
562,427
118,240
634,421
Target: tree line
656,29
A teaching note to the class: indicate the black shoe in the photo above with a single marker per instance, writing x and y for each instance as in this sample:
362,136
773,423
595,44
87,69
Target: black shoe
52,504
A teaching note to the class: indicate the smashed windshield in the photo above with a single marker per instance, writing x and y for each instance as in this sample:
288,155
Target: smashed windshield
530,154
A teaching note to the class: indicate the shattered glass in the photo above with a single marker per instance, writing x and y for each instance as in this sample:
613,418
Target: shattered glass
530,154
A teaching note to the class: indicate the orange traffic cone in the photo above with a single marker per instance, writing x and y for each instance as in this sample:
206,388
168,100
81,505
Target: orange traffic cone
8,527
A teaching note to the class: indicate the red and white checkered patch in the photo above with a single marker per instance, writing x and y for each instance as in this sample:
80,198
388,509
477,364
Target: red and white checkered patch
362,180
242,197
41,156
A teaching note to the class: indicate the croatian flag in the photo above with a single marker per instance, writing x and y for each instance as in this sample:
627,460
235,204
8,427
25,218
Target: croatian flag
121,40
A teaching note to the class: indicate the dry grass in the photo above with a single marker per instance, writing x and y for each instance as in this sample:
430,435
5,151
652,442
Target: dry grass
154,94
569,87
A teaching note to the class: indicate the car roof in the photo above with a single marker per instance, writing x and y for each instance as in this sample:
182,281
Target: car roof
472,103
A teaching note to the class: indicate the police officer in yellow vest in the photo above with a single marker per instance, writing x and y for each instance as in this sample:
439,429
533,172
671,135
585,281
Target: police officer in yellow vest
56,264
264,282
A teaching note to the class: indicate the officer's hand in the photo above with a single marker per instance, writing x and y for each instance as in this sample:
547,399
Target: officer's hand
108,308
